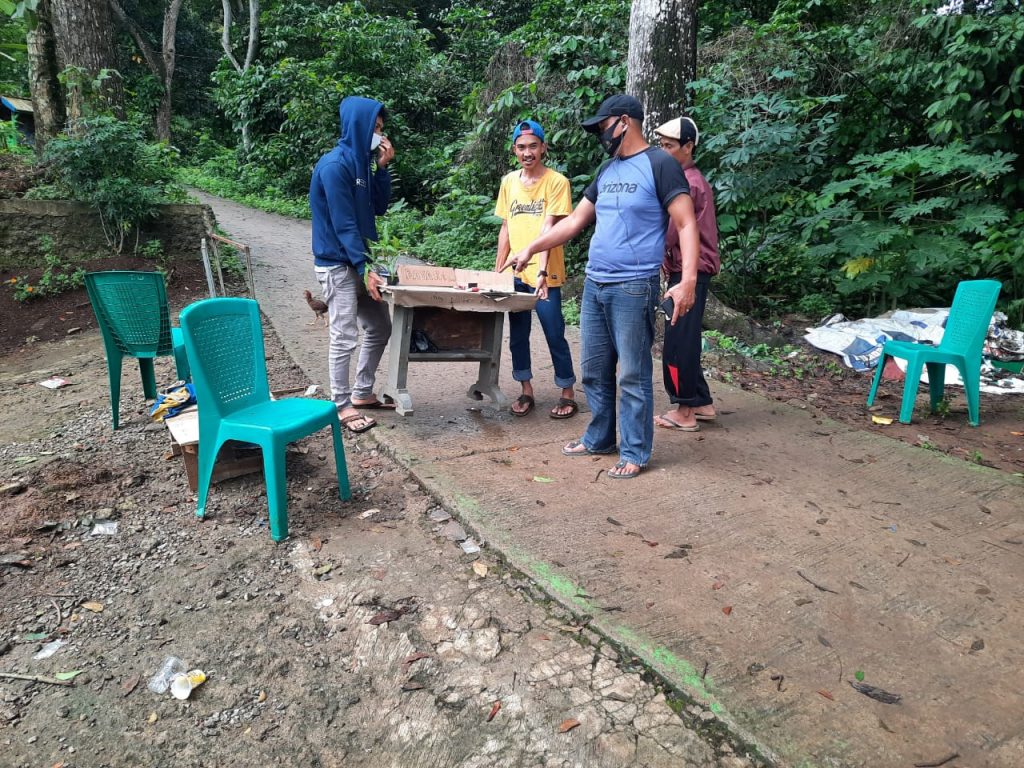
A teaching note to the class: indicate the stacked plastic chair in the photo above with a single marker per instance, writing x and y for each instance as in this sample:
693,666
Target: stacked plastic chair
961,345
224,342
131,310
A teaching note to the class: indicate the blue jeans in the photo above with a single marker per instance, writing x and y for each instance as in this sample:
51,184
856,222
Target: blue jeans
553,324
617,331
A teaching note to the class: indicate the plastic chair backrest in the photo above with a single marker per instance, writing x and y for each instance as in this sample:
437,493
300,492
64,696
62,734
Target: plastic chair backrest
969,317
224,343
131,309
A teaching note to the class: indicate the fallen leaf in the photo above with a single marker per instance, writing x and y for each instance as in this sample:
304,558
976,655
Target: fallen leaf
412,685
199,566
539,479
877,694
494,710
568,725
613,521
316,544
153,717
859,674
379,573
93,606
1017,434
883,420
129,685
977,645
68,675
649,543
718,585
824,641
480,569
262,697
323,570
727,610
414,657
826,694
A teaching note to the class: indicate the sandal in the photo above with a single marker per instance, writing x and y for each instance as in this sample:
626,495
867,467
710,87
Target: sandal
562,403
572,449
347,423
375,405
522,400
667,423
625,475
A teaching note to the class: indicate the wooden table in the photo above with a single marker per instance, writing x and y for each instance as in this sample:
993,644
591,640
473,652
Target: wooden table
463,325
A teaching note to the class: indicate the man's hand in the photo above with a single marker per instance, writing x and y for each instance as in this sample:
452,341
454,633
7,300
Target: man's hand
520,260
386,152
542,288
373,284
684,296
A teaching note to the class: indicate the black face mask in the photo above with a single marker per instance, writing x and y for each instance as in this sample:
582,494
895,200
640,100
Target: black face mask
609,142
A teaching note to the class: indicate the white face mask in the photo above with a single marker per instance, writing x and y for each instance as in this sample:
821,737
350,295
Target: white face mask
375,141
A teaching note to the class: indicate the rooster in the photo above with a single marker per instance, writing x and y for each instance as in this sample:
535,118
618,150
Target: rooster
319,309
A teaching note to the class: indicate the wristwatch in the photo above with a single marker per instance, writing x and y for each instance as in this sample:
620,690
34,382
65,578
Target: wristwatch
542,273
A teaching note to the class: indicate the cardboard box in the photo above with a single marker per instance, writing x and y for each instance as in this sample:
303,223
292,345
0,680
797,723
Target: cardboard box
235,459
464,290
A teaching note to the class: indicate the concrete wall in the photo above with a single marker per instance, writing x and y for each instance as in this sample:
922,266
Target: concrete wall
76,231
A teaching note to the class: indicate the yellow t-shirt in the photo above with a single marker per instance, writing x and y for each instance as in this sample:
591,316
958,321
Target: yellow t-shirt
525,210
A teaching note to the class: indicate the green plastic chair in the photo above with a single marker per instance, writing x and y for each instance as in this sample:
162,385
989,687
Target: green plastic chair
961,345
131,311
224,343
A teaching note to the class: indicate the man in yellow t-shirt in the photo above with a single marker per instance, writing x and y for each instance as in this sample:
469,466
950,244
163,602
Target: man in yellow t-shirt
530,201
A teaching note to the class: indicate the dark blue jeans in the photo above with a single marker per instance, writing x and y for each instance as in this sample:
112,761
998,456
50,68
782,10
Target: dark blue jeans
549,313
617,330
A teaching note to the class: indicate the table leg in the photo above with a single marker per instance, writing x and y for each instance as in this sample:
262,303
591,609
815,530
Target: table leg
398,362
488,379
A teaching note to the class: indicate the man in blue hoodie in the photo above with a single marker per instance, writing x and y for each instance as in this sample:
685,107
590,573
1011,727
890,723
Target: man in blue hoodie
348,190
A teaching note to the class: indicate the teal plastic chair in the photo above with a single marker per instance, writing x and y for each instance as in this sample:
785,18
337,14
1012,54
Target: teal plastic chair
961,345
224,343
131,311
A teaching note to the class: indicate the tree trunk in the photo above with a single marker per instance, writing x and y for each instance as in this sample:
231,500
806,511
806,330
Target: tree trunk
84,31
250,54
47,99
662,56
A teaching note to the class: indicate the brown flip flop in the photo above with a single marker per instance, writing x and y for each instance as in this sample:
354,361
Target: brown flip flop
375,405
562,402
347,421
521,401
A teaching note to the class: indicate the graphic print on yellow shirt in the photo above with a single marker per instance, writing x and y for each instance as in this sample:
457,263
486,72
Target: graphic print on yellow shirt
525,210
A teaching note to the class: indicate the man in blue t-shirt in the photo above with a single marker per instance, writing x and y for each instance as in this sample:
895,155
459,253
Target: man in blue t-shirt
631,200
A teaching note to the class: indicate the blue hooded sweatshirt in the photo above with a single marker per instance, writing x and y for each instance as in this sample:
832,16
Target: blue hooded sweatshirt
344,197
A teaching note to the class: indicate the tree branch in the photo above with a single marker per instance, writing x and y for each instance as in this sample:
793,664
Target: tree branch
152,60
254,31
225,40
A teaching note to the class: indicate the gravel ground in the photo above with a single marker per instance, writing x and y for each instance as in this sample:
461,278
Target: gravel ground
368,638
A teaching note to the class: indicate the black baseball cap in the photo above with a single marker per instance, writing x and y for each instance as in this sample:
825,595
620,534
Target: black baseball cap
615,106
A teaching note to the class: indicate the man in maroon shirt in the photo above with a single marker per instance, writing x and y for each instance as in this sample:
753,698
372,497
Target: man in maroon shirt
684,379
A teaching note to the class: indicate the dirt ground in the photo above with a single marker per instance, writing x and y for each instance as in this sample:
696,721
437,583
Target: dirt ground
369,638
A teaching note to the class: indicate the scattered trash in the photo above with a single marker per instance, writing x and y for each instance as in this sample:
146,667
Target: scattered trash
859,674
311,390
54,382
104,528
368,513
883,420
35,637
470,547
49,649
262,697
539,479
480,569
568,725
875,693
161,681
827,694
454,532
183,684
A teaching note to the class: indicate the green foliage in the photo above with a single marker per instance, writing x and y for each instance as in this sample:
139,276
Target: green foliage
109,166
59,276
462,232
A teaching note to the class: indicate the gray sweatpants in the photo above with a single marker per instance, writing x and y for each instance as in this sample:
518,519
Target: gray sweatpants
349,308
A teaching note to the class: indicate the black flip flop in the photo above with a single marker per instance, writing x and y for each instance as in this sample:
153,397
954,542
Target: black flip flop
521,401
562,402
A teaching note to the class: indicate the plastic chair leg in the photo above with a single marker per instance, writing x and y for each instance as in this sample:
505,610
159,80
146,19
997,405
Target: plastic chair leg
910,386
936,383
180,358
206,463
277,490
877,379
972,388
340,466
114,375
148,377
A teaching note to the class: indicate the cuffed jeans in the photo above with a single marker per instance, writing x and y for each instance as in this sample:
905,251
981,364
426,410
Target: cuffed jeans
350,307
553,324
617,331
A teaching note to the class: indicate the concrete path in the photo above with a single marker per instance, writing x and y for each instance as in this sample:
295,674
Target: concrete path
764,566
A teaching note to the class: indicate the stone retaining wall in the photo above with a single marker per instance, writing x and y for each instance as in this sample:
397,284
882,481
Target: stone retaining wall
76,231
